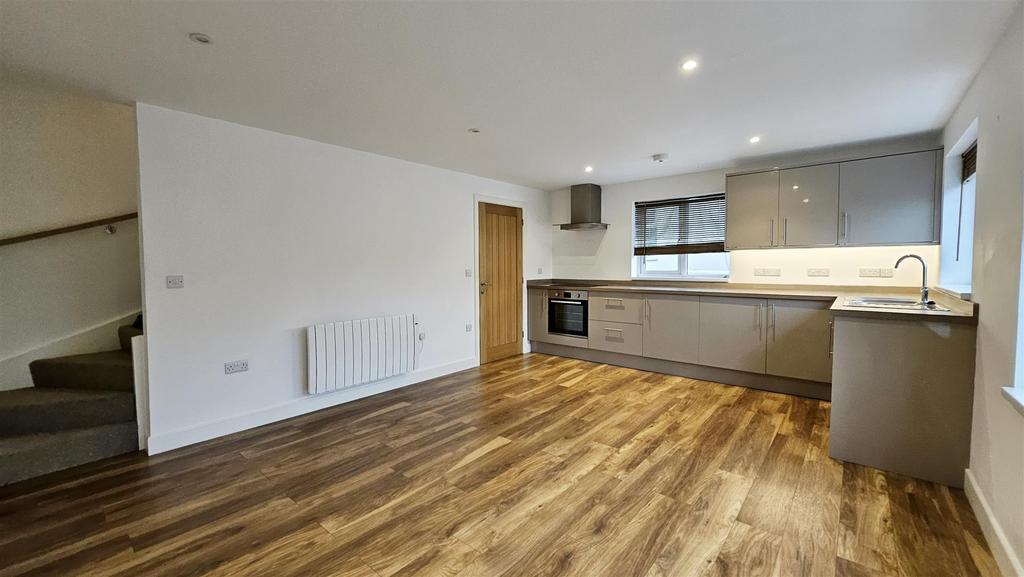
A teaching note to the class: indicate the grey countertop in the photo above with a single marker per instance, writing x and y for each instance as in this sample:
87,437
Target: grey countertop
959,310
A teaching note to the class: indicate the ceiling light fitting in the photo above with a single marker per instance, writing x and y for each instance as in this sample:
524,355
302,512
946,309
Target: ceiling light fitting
659,157
473,131
755,139
199,38
689,65
588,169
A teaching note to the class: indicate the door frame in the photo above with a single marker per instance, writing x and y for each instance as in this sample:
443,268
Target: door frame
483,198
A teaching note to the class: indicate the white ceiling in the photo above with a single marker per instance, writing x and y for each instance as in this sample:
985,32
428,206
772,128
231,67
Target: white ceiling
552,86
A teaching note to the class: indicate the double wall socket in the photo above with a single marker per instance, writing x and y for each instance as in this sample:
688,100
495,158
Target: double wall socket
872,272
175,281
818,272
767,272
236,367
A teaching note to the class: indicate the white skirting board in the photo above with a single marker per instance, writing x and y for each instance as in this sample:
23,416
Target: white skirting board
1009,563
166,441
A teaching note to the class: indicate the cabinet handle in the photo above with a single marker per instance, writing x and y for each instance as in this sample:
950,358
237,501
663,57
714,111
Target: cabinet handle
785,231
608,301
846,224
771,232
647,311
610,330
771,310
831,336
760,321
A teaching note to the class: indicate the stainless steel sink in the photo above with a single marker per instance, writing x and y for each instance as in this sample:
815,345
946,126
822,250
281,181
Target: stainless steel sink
893,303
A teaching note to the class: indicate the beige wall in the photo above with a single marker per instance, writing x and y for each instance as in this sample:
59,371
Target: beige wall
996,100
64,159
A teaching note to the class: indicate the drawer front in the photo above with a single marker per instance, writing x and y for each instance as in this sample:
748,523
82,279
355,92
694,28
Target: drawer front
616,307
616,337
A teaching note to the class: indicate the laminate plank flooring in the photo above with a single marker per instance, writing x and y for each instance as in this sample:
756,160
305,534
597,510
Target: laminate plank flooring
531,466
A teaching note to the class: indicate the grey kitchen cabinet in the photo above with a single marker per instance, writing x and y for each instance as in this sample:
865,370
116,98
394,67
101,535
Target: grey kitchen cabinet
809,206
890,199
626,338
752,210
672,328
732,333
616,307
799,340
537,314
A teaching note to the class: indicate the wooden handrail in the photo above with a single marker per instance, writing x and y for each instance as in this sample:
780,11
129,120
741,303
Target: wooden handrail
63,229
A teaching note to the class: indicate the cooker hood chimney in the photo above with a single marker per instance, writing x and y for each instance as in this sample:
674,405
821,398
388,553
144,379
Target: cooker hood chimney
585,208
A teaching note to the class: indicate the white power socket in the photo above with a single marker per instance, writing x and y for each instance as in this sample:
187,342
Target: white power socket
818,272
869,272
767,272
236,367
886,272
175,281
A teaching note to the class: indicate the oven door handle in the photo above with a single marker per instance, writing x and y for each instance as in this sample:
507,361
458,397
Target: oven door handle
559,302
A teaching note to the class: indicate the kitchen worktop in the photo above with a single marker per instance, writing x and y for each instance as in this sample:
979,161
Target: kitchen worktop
959,310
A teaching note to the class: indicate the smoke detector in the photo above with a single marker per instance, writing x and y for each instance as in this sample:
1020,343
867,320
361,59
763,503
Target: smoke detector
659,157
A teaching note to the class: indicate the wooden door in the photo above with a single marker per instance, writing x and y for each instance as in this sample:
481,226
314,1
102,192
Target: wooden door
732,333
671,328
501,281
798,340
889,200
752,210
809,206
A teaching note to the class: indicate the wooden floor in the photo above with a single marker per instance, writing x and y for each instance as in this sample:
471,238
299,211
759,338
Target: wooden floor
531,466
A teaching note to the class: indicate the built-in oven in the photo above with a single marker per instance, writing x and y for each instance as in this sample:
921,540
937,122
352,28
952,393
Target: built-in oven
567,313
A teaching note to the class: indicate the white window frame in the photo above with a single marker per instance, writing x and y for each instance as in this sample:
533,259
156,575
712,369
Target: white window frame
641,273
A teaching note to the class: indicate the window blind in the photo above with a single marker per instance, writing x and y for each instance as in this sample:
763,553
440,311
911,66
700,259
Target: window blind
970,162
680,226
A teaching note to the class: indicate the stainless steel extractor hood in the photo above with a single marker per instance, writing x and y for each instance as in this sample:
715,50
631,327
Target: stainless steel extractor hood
585,208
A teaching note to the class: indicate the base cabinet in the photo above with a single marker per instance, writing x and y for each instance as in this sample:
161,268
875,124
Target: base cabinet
799,340
672,328
732,333
537,315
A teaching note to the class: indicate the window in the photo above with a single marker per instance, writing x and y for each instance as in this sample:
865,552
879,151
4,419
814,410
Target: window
681,238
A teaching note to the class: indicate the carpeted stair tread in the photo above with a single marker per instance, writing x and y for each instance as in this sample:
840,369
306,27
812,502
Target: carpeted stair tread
27,456
39,410
108,370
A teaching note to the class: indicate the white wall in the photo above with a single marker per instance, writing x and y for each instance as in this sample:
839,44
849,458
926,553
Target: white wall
607,254
274,233
64,159
996,100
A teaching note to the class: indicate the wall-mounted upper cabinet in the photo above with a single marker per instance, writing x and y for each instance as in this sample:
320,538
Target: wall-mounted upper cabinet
890,199
808,205
875,201
751,210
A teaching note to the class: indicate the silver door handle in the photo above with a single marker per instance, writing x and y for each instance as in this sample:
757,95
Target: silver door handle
831,337
483,287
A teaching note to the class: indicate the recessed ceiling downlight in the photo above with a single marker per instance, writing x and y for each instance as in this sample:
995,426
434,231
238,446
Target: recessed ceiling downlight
199,38
473,131
588,169
689,65
755,139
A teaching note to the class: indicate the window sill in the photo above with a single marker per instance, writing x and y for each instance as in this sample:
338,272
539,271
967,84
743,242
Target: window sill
1015,395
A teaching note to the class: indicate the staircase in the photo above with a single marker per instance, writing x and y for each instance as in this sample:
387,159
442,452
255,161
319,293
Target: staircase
81,409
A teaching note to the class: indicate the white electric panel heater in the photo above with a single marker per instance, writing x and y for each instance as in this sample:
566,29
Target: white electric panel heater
349,353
